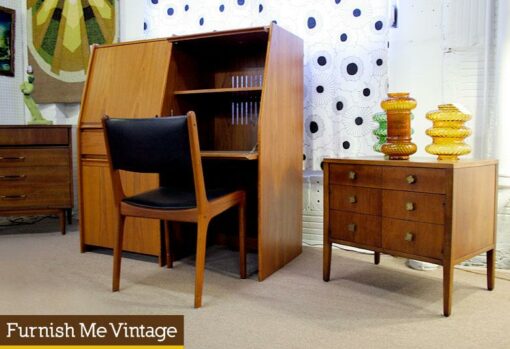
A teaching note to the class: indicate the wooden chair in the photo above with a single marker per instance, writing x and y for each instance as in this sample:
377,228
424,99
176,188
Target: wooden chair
168,146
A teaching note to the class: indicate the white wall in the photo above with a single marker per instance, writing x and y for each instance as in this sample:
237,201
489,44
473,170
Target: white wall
131,20
415,61
12,108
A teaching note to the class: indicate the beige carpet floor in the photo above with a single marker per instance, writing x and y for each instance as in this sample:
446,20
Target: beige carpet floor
363,306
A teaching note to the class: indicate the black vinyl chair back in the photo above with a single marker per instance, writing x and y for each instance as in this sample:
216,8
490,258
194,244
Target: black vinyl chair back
154,145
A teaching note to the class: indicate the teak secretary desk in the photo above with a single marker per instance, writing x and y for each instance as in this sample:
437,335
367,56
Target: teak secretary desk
246,87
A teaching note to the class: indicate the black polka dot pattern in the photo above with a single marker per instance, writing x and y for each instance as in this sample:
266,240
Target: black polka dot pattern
352,68
314,127
339,105
319,89
311,22
366,92
358,121
346,145
322,61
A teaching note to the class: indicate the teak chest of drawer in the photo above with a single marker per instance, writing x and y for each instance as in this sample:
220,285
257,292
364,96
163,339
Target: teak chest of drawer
36,170
433,211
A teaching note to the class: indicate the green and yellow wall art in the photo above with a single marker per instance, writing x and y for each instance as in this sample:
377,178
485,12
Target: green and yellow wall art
60,33
7,27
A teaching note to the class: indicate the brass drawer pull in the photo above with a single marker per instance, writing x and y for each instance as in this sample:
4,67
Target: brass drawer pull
13,197
411,179
12,177
351,227
352,175
353,199
409,236
12,158
410,206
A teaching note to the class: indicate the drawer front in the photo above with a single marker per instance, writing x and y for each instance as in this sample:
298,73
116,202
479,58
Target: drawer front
14,157
357,175
356,228
425,180
92,142
418,207
13,176
42,135
355,199
420,239
35,196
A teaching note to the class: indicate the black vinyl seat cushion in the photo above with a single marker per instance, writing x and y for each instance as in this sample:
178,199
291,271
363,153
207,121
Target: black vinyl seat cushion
167,198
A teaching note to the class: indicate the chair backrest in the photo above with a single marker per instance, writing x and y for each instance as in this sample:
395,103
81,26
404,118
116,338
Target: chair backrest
153,145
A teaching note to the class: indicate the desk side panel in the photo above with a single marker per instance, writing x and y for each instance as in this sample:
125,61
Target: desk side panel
280,139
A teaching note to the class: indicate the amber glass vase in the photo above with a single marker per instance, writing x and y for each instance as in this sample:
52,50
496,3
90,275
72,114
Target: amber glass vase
448,132
398,108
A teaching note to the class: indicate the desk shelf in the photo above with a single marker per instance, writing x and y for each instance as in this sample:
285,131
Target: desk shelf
229,154
219,90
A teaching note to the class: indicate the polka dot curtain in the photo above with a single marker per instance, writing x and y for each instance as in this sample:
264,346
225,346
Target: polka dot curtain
345,63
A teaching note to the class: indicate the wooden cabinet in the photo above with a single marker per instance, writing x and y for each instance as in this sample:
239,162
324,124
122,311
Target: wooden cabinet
434,211
246,87
36,171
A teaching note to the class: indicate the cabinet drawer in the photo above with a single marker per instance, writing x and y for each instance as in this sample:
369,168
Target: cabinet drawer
357,228
40,135
355,199
419,207
35,196
414,238
427,180
92,142
14,157
13,176
357,175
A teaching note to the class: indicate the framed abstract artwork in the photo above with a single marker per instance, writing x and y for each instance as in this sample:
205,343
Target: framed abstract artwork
59,36
7,26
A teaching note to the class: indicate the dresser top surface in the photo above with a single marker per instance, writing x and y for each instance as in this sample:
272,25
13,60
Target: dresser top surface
413,162
34,126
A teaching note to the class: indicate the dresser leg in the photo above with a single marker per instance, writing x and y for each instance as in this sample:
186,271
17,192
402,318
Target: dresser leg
377,257
62,219
69,212
447,288
491,269
326,267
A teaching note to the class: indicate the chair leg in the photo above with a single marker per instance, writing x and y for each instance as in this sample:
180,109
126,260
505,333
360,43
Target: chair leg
242,239
169,259
202,225
117,253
